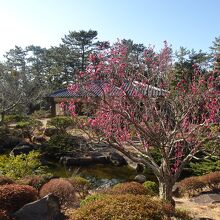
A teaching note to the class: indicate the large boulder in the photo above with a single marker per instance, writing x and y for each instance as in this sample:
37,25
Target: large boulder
84,161
117,159
42,209
24,148
140,178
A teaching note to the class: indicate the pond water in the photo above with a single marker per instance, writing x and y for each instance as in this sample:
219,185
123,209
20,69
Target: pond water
99,175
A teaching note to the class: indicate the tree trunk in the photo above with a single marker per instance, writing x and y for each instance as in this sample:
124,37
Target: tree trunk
165,191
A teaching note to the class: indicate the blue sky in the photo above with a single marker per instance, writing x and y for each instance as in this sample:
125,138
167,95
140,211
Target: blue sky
189,23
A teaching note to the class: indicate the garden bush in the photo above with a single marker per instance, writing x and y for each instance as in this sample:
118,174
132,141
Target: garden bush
5,180
15,118
128,188
61,188
61,123
80,185
212,180
14,196
151,186
191,186
120,207
21,165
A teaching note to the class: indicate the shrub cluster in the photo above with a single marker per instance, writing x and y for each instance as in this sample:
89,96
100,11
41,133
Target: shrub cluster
21,165
133,188
120,207
194,185
14,196
62,189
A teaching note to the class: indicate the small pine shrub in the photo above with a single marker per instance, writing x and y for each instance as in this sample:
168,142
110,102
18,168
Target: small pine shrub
80,185
62,189
133,188
5,180
120,207
151,186
14,196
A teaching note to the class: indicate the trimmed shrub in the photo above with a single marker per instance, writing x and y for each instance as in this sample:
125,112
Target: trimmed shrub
212,180
62,189
120,207
14,196
191,185
133,188
5,180
151,186
80,185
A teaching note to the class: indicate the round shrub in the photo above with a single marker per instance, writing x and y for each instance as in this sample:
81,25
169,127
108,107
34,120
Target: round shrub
62,189
14,196
128,188
80,185
120,207
151,186
5,180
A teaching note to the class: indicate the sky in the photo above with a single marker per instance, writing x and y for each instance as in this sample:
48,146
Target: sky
188,23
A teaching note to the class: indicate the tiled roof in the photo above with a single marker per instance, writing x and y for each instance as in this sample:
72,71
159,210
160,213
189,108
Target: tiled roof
95,89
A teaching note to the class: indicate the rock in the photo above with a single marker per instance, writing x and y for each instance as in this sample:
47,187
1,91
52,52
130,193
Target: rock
39,139
211,198
42,209
50,131
140,178
9,142
84,161
117,159
22,149
140,168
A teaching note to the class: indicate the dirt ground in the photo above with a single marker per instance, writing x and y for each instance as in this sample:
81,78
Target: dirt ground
206,211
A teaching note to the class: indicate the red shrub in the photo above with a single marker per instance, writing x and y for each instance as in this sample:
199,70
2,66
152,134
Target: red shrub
212,180
14,196
61,188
